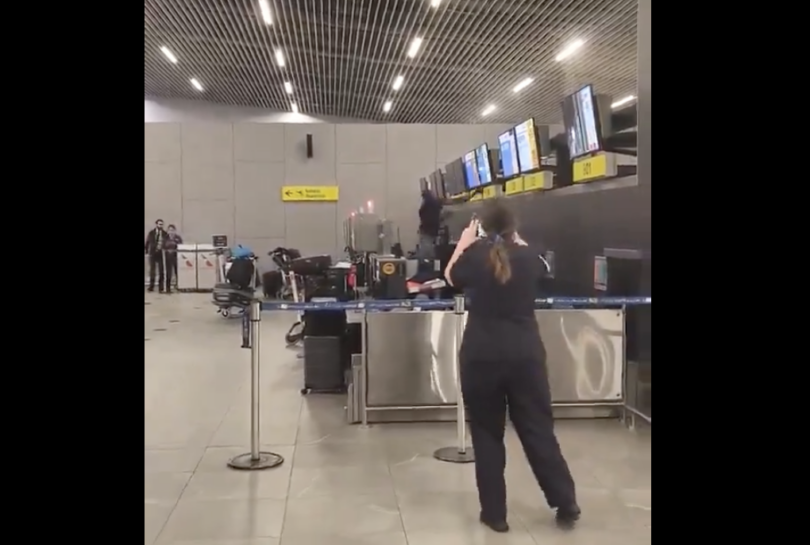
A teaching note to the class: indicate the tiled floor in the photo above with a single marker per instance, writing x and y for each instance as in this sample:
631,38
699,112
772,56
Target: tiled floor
340,484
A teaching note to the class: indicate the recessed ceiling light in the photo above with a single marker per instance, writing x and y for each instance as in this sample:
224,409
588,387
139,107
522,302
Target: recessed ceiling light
279,54
488,110
569,50
387,106
294,107
168,54
522,85
623,101
397,85
416,43
288,87
267,15
196,83
435,3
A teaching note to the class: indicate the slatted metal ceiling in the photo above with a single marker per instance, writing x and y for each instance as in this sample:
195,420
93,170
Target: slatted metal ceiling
342,56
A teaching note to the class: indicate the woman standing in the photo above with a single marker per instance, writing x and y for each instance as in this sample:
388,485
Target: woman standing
503,364
170,244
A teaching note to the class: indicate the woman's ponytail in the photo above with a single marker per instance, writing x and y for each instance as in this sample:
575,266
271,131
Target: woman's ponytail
499,259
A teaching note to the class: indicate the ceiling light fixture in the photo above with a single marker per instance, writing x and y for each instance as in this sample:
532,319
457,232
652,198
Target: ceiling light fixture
168,54
416,43
435,3
569,50
622,102
267,15
522,85
294,107
196,83
279,54
288,87
397,85
488,110
387,106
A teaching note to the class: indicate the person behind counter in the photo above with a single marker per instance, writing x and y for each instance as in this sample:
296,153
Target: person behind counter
154,249
502,361
170,248
430,219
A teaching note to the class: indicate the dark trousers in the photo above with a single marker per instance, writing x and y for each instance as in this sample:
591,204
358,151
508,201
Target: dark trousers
171,268
488,388
156,263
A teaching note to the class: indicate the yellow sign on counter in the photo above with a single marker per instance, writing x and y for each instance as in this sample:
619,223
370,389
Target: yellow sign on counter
513,186
533,182
590,168
309,193
490,192
477,197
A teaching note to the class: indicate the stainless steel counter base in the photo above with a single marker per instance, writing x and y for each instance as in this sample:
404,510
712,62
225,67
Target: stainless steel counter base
407,372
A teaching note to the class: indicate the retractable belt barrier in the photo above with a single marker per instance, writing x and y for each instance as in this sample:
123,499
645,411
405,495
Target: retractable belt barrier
460,453
446,304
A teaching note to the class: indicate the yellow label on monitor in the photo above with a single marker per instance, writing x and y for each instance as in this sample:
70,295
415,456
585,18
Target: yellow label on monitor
477,197
592,168
533,182
309,193
490,192
514,186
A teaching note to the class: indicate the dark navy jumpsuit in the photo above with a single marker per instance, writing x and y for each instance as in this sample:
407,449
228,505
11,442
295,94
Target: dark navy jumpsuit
503,364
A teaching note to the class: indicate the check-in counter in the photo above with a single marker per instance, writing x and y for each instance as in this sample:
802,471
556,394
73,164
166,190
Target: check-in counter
410,367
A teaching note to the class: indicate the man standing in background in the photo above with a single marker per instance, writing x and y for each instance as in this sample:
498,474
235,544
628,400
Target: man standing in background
154,249
170,249
430,220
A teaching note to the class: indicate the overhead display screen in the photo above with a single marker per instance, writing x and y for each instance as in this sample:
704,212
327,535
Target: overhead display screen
581,119
526,143
471,171
454,178
484,165
509,158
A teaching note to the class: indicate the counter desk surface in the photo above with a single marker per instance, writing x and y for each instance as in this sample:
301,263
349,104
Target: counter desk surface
411,356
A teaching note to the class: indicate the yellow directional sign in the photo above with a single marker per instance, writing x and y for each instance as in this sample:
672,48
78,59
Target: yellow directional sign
309,193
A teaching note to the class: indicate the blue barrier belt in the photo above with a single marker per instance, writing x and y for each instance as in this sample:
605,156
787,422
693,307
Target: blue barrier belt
446,304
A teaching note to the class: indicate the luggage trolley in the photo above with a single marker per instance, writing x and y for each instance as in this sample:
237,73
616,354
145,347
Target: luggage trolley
227,296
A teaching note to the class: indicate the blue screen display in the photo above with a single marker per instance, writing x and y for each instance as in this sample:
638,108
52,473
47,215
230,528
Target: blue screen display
509,156
471,171
484,170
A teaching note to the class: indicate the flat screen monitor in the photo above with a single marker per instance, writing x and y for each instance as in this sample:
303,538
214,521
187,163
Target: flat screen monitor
482,160
471,178
454,179
437,182
528,151
423,184
509,156
581,118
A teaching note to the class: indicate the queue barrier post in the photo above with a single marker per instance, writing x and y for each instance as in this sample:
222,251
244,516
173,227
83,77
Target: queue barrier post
460,453
255,459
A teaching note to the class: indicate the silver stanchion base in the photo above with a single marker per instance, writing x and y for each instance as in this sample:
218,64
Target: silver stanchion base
267,460
455,456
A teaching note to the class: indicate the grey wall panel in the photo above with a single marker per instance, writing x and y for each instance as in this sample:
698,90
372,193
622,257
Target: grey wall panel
163,194
208,143
310,227
207,182
452,141
161,143
360,184
320,169
201,219
360,143
259,211
258,142
411,154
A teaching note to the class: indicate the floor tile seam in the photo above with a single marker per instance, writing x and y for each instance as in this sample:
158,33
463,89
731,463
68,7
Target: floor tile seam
292,469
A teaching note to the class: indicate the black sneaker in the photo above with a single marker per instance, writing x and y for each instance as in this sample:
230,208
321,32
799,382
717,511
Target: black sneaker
496,526
567,517
150,289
